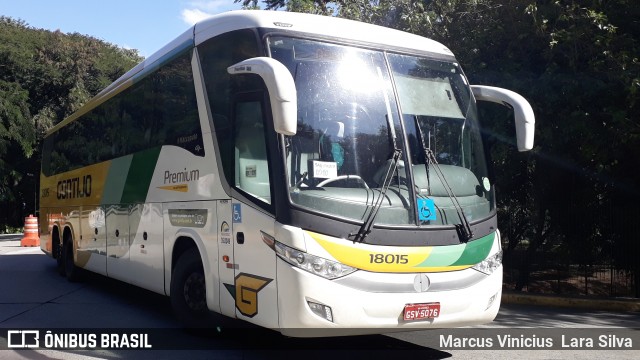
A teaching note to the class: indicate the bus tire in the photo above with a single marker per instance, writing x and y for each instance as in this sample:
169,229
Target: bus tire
188,291
71,271
57,248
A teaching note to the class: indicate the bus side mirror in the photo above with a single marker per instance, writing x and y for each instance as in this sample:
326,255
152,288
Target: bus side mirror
281,87
524,118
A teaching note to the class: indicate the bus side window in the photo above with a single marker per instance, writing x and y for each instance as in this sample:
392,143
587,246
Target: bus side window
251,163
216,54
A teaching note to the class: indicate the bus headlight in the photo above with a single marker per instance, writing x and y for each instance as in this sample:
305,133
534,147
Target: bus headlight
328,269
490,264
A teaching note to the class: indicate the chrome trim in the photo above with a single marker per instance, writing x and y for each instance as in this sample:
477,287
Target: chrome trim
404,283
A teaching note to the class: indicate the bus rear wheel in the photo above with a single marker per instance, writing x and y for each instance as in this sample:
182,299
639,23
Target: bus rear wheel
71,271
188,291
59,255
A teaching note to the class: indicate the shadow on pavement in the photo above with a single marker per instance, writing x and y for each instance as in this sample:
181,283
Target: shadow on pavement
99,304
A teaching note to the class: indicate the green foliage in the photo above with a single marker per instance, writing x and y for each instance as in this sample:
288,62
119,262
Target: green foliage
303,6
44,77
16,122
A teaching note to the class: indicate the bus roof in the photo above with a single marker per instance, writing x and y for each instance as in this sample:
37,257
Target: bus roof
318,25
290,21
327,26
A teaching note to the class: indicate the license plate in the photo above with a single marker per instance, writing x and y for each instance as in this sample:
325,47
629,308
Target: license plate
414,312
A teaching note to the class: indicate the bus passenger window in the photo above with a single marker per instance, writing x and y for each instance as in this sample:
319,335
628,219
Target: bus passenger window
251,164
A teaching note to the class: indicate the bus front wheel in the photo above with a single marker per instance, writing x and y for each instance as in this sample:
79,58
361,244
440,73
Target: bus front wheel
188,291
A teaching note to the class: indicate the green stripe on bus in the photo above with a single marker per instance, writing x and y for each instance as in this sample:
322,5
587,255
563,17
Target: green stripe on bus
459,255
443,256
116,179
139,177
476,251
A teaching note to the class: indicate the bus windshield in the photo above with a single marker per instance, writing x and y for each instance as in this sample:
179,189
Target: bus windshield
356,109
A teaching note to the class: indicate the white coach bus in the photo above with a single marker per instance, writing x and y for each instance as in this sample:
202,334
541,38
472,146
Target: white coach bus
290,170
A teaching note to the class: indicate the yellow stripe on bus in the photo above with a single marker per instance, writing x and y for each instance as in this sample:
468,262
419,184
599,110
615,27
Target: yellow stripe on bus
379,258
179,187
84,186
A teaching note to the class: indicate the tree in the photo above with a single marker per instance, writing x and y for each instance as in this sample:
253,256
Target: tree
305,6
44,77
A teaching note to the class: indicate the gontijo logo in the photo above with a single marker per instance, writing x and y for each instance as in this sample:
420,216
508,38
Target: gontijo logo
74,188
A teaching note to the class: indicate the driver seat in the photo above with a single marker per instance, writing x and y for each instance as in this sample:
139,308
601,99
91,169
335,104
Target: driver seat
330,148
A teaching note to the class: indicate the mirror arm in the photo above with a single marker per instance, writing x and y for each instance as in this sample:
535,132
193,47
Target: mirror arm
522,110
281,87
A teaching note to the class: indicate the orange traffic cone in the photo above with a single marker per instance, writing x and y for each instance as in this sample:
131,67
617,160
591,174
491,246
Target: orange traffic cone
31,237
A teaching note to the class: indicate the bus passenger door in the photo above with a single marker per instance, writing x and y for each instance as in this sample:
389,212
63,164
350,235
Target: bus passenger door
256,296
254,260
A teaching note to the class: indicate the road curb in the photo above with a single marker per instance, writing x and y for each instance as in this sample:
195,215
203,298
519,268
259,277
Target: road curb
11,237
616,304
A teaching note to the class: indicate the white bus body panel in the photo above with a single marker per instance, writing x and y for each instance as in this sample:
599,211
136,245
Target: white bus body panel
196,220
363,312
92,239
147,247
256,292
226,271
117,220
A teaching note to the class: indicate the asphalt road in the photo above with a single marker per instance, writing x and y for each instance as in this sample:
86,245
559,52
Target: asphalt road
34,296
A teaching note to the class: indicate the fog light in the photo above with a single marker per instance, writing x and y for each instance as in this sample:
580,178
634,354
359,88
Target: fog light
321,310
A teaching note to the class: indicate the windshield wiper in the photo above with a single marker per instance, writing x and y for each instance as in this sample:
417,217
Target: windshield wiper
365,229
464,228
299,182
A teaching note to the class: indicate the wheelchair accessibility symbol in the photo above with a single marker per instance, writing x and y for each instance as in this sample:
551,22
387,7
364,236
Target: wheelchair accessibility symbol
237,213
426,209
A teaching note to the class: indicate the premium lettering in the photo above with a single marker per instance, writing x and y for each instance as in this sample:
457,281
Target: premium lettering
181,176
